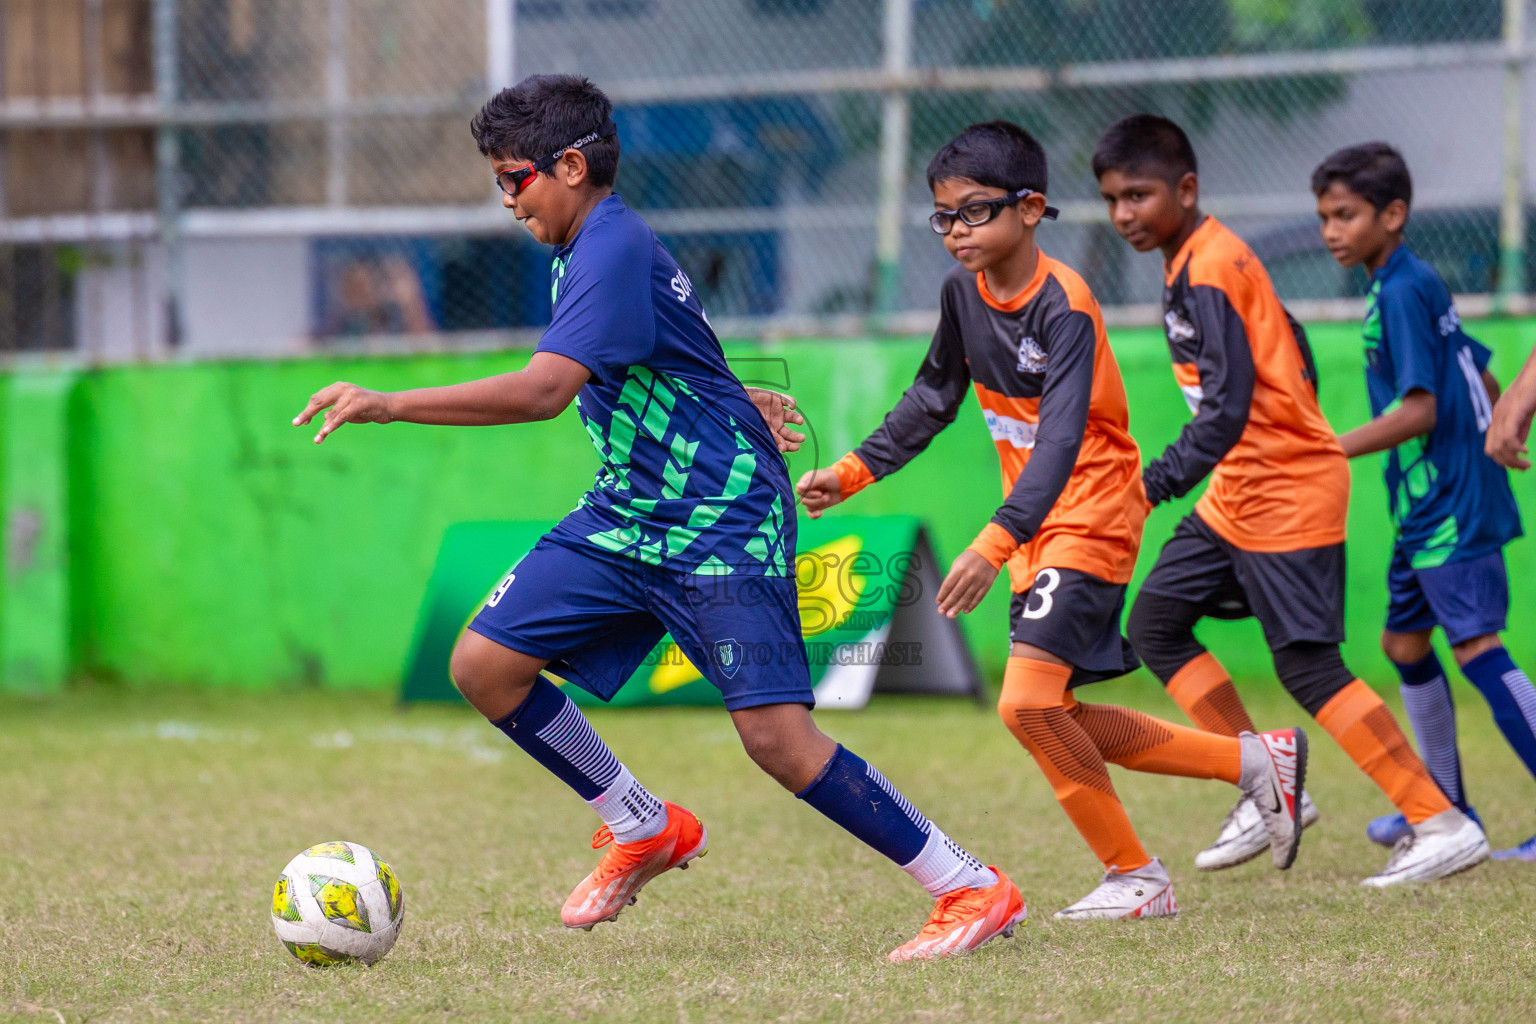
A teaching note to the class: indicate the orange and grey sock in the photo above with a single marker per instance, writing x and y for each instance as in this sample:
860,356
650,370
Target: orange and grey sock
1033,707
1146,744
1365,728
1205,691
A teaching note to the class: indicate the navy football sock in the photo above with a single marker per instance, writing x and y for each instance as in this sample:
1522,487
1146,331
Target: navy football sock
856,796
554,732
1427,698
1513,700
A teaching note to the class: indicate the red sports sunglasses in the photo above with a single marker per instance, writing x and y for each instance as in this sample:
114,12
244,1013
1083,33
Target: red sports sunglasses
514,180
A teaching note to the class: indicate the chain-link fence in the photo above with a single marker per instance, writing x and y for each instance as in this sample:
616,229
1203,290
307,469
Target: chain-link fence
265,176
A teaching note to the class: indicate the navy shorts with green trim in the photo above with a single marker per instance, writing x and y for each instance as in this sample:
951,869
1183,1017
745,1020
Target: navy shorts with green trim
1075,616
1466,599
597,618
1296,595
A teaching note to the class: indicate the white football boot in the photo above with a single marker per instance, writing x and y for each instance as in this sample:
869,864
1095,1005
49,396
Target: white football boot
1243,836
1145,892
1274,769
1445,844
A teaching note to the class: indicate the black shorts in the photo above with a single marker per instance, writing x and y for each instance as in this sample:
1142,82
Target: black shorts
1076,616
1296,595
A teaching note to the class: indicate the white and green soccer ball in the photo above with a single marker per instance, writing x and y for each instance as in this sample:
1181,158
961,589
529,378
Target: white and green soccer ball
337,903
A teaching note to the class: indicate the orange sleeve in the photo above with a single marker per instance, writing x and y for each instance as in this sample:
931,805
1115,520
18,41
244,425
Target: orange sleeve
995,544
852,475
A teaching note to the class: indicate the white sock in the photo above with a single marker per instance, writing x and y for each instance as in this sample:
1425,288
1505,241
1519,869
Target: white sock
1253,761
943,866
629,810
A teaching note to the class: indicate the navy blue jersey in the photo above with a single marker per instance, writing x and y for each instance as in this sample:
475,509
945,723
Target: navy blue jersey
691,478
1450,501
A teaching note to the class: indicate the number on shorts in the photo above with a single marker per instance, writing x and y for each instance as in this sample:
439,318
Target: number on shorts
501,590
1052,578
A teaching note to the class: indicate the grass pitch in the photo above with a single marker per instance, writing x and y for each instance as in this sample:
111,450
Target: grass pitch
142,832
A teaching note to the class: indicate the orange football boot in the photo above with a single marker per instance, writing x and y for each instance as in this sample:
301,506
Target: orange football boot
964,919
626,867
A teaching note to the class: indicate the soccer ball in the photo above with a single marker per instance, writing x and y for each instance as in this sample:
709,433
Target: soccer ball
337,903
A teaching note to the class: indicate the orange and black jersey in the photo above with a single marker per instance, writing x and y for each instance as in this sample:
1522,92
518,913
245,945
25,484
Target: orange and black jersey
1051,392
1279,480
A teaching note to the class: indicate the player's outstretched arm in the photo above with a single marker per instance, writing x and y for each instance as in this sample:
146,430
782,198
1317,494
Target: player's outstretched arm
819,490
1415,417
1511,424
968,581
541,391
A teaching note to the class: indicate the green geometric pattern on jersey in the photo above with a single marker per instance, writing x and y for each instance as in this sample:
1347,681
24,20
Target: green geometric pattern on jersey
1417,472
647,405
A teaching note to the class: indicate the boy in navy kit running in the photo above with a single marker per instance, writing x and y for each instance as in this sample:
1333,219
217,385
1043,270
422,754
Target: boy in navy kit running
688,529
1431,396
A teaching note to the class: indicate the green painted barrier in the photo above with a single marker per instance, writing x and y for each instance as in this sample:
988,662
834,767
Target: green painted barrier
866,588
34,493
210,544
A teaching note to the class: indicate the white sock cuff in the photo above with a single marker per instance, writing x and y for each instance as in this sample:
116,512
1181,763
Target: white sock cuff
943,865
629,810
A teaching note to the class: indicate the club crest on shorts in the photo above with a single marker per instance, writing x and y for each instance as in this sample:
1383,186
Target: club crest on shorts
728,655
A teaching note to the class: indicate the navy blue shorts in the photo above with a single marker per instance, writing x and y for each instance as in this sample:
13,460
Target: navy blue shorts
596,619
1466,599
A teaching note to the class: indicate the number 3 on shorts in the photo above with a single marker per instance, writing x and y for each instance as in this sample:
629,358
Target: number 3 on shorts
1046,582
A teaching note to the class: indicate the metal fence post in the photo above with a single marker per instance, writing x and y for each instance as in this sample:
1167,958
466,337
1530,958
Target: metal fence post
895,132
500,44
168,166
1512,206
336,125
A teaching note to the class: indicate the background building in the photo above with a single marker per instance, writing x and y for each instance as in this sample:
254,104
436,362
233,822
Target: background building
216,177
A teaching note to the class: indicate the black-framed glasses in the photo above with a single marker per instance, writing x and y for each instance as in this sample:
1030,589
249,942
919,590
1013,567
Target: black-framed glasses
981,211
514,180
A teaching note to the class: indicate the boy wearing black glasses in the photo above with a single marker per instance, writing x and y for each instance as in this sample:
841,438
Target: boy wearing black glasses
1024,332
688,529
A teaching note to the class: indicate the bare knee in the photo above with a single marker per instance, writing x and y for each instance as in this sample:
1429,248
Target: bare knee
784,742
1469,649
493,678
1406,648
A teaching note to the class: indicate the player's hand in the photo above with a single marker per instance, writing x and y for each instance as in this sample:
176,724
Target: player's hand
819,490
968,581
778,409
1507,434
344,403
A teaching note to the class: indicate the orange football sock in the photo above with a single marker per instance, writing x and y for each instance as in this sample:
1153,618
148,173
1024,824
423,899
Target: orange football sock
1146,744
1033,707
1205,691
1365,728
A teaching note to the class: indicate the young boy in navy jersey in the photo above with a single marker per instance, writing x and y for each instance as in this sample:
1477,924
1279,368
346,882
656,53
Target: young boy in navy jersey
1431,396
688,529
1024,332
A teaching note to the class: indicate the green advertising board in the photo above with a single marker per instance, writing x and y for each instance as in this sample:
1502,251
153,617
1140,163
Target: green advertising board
866,608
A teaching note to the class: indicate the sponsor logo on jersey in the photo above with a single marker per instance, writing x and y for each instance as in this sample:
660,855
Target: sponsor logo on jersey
1019,433
1031,356
1449,322
1194,394
681,286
